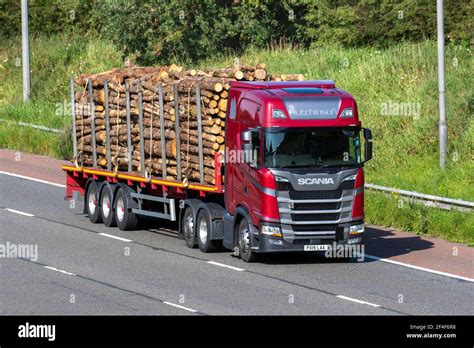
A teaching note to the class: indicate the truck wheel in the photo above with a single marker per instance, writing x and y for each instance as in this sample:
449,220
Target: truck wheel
188,228
243,233
92,200
203,231
106,207
124,218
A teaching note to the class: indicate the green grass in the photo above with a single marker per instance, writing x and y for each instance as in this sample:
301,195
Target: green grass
406,147
390,210
53,60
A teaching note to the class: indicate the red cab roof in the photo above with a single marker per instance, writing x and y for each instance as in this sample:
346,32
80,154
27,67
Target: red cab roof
284,84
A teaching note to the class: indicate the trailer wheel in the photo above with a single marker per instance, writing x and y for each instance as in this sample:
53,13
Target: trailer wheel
243,233
124,218
106,207
188,228
92,203
203,231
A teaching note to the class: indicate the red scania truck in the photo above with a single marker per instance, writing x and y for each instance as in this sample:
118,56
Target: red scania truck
291,178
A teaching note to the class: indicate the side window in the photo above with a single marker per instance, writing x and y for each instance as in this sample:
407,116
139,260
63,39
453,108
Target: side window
233,109
256,149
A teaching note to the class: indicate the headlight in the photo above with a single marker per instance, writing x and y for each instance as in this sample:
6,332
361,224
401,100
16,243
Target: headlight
356,229
278,114
347,113
350,177
273,231
281,179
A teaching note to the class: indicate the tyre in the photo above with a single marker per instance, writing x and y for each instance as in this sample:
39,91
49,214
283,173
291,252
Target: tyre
203,233
124,218
107,211
187,224
92,203
243,234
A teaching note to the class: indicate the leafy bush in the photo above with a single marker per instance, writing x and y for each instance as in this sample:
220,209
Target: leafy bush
163,31
160,31
384,22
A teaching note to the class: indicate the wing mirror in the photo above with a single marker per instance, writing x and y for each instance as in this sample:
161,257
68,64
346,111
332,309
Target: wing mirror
367,144
248,148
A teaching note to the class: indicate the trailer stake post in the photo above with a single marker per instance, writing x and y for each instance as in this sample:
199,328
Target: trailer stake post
129,133
92,116
177,131
140,124
162,130
107,123
73,114
199,121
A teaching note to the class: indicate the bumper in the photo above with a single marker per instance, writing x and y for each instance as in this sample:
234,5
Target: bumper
267,244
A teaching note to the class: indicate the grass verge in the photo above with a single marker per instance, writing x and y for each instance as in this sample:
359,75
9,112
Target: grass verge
390,210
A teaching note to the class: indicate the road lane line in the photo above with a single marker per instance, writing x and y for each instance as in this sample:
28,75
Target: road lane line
178,306
59,270
115,237
32,179
226,266
19,212
358,301
420,268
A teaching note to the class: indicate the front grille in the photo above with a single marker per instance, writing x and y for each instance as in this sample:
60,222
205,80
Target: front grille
319,228
314,228
314,240
317,206
301,195
315,217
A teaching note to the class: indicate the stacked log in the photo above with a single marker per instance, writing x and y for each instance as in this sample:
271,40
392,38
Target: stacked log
144,82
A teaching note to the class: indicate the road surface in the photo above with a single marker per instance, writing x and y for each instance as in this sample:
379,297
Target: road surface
85,268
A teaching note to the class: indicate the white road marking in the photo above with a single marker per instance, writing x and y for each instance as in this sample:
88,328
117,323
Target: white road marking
226,266
32,179
178,306
115,237
59,270
420,268
18,212
358,301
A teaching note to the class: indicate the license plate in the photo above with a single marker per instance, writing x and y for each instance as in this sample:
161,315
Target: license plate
320,247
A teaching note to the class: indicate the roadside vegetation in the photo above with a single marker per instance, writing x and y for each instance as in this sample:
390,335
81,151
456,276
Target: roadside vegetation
394,80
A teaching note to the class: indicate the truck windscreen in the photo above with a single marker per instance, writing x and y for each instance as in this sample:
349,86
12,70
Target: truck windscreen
311,147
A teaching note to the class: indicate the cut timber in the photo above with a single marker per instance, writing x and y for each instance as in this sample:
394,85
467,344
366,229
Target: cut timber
292,77
214,90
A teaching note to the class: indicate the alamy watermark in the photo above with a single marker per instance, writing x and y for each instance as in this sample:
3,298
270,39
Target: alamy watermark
356,251
28,330
21,251
395,108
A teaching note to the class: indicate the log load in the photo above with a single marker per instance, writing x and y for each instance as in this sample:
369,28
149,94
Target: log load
143,83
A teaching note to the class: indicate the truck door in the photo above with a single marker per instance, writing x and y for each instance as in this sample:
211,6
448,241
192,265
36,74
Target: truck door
239,186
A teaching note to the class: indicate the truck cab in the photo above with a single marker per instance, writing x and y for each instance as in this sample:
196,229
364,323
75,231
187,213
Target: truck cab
294,178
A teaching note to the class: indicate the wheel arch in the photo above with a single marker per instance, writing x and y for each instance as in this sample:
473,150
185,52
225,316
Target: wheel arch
216,216
241,212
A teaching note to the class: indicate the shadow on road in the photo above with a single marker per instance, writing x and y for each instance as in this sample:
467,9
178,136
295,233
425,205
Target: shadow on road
387,243
383,243
158,226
